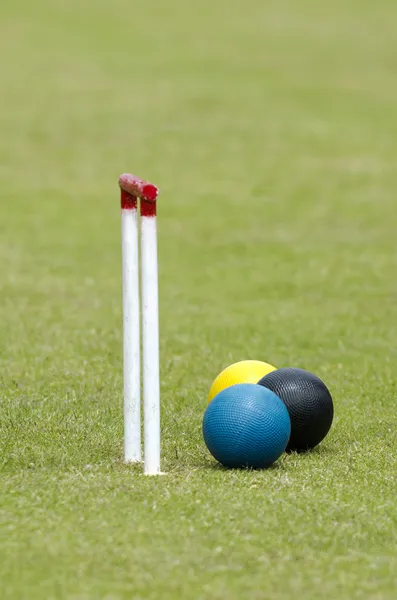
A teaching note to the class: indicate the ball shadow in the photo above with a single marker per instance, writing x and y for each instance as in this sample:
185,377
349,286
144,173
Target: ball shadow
317,450
219,468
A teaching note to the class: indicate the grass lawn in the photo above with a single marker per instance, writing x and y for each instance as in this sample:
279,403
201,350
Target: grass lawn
270,128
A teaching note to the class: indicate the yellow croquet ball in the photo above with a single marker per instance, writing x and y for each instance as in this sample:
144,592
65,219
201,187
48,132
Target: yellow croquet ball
244,371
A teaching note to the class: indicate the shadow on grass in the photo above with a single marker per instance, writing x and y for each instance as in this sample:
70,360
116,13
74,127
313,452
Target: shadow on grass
217,467
317,451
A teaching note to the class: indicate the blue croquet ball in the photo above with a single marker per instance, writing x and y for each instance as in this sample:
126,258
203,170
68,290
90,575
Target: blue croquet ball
246,425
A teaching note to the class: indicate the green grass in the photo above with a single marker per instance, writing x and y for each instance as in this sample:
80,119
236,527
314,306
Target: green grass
270,128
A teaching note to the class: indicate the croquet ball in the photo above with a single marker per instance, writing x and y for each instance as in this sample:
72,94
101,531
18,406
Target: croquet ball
246,425
309,404
245,371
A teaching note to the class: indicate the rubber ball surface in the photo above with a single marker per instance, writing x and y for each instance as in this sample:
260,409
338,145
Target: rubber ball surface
309,404
246,425
244,371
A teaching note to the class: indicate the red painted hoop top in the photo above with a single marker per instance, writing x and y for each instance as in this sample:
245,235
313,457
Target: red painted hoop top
138,187
128,202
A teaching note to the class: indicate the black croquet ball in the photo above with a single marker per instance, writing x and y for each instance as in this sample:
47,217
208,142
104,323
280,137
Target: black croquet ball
309,404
